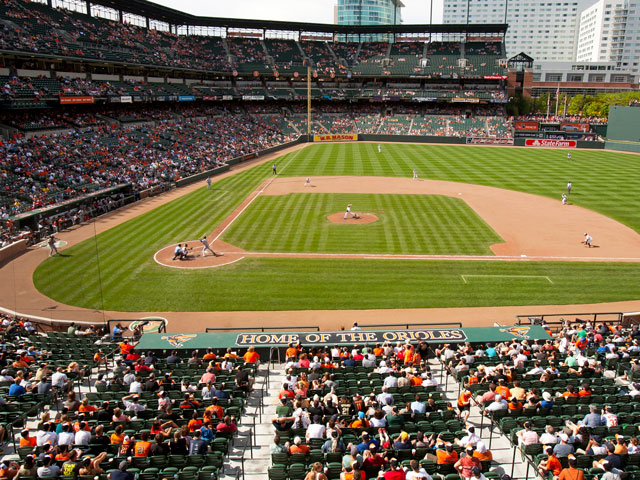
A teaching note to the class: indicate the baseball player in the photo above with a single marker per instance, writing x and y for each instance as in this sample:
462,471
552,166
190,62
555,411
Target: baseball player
349,212
569,188
206,246
307,182
415,174
53,250
564,198
569,156
185,251
177,252
379,148
274,169
208,183
587,240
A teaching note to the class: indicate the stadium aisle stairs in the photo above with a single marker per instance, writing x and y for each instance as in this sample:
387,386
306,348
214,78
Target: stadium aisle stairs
256,468
500,444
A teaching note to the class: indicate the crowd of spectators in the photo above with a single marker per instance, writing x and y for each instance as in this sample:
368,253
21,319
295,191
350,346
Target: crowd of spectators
52,168
141,410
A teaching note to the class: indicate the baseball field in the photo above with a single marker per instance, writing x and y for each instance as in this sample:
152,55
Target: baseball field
483,226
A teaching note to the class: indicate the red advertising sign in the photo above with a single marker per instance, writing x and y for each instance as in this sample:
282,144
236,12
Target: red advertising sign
533,126
574,127
530,142
74,100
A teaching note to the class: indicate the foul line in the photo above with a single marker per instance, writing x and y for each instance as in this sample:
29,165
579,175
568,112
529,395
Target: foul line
242,210
464,277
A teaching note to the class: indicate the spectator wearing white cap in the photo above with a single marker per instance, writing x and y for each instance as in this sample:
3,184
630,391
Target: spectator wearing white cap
563,449
498,403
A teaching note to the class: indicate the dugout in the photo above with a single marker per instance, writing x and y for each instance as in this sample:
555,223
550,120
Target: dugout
271,344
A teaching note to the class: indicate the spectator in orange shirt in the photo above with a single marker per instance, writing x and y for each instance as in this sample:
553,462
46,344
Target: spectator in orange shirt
571,392
291,353
230,354
213,410
482,453
85,407
126,347
26,440
585,391
117,437
142,448
195,423
446,454
298,447
209,355
502,389
551,465
251,356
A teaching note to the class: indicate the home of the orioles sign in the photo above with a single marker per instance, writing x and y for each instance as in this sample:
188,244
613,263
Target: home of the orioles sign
351,337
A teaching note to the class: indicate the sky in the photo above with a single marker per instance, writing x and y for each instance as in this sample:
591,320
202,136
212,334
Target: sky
317,11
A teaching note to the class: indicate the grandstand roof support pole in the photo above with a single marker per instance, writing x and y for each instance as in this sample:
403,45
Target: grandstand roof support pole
506,9
431,13
308,101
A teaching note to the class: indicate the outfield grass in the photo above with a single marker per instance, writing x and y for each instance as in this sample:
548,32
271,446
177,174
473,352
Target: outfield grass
407,224
603,181
131,280
298,284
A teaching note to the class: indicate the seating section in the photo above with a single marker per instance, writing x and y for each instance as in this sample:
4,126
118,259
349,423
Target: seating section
119,405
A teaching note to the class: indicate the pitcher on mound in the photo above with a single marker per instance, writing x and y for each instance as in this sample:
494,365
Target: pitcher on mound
350,213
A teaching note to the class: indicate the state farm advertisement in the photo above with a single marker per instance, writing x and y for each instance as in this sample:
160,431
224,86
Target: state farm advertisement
530,142
533,126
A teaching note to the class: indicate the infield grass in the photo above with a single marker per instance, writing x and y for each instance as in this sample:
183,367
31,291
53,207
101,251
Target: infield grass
407,224
131,280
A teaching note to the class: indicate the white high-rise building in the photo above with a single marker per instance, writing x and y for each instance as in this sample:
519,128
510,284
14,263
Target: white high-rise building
543,29
609,31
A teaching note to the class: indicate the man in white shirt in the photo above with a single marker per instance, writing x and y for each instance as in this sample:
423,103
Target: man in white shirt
390,382
59,379
136,386
66,437
549,437
46,436
470,438
316,429
498,403
82,435
129,377
133,405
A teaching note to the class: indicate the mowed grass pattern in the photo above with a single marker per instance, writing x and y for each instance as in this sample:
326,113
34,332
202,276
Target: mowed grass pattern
407,224
602,181
131,280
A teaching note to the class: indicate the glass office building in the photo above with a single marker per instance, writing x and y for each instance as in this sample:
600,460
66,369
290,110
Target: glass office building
369,12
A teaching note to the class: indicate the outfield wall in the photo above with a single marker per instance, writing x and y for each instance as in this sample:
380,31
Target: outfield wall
365,137
520,142
622,146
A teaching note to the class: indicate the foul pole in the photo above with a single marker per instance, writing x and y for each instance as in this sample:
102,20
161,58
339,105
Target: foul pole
308,100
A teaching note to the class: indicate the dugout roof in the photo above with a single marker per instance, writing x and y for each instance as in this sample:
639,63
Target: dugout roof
193,341
172,16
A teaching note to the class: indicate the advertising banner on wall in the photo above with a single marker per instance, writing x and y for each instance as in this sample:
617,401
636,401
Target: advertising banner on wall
126,99
348,137
75,100
532,126
574,127
529,142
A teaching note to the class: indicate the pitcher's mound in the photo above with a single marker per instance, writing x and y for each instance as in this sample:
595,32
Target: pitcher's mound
364,218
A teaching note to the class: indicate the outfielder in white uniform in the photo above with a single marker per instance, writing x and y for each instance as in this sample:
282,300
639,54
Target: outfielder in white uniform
569,156
569,185
206,246
379,148
415,174
564,198
587,240
208,183
307,183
